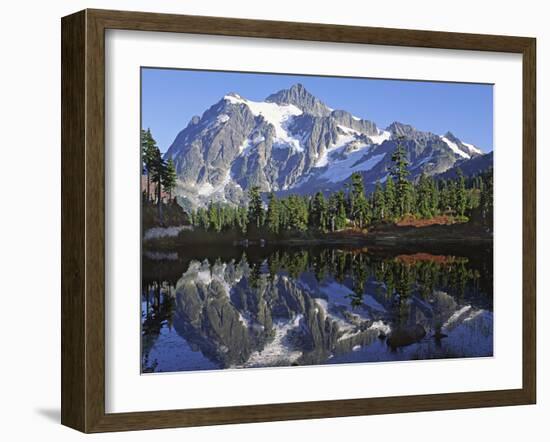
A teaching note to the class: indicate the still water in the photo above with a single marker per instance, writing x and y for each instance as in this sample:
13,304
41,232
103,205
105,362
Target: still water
231,307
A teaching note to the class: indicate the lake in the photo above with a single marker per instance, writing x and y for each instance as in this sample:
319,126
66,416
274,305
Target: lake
229,307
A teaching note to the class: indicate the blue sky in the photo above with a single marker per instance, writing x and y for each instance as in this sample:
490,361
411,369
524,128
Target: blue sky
170,97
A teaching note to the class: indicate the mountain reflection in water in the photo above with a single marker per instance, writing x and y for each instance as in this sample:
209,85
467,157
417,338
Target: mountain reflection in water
262,307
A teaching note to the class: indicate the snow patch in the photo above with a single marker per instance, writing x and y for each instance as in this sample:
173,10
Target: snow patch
380,326
276,352
473,148
350,135
163,232
383,135
457,315
348,130
323,304
424,161
222,118
455,148
207,189
342,170
275,114
343,325
243,320
248,144
204,276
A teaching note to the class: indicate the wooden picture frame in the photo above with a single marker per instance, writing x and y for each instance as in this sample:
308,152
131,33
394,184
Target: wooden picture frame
83,220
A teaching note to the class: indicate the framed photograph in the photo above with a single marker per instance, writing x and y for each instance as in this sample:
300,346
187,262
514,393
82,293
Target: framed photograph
268,220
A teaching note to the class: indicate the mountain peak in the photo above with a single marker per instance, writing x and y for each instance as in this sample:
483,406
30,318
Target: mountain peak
468,149
300,97
293,142
298,87
450,136
400,129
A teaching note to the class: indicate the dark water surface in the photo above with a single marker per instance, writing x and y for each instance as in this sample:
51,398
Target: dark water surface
231,307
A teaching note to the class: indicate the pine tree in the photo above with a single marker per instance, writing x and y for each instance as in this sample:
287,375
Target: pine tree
424,198
169,178
341,218
332,212
148,155
158,167
434,196
389,198
378,203
358,203
202,218
443,196
241,219
214,216
297,213
400,172
409,198
273,214
486,198
255,208
451,195
460,192
318,215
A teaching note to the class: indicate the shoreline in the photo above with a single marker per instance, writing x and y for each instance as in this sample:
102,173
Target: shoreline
378,236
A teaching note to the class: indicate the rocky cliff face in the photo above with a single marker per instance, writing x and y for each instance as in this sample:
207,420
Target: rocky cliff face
294,142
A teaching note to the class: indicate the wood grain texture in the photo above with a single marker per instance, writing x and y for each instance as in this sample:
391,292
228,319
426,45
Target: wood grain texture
73,254
83,219
145,21
95,222
529,220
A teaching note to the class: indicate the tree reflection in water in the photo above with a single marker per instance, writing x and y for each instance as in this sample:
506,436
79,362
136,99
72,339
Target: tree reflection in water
262,307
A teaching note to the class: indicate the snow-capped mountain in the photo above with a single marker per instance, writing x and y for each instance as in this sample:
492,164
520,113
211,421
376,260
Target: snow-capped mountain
293,142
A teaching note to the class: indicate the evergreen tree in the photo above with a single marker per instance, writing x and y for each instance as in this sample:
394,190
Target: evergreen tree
390,201
273,214
214,216
379,203
409,198
202,218
424,197
434,196
451,195
297,213
341,218
332,212
319,216
158,172
148,154
358,203
337,211
486,198
169,178
241,219
460,192
443,196
400,172
255,208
